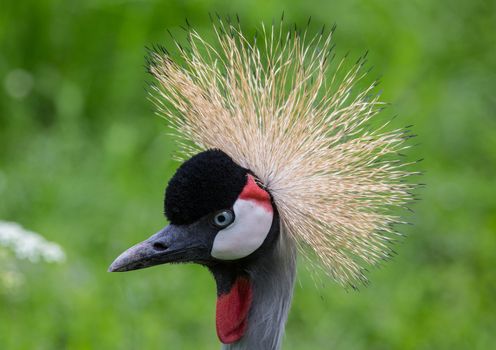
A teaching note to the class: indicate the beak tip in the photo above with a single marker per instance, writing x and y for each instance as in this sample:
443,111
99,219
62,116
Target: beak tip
139,256
111,268
116,266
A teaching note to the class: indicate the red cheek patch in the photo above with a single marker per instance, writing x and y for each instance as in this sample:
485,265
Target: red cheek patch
252,191
232,311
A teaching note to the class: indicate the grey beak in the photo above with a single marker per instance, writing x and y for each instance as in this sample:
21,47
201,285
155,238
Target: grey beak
137,257
173,244
144,254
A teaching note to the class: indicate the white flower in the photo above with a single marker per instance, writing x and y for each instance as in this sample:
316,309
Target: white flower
29,245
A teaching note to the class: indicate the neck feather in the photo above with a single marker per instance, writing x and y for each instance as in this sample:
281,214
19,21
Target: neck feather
272,279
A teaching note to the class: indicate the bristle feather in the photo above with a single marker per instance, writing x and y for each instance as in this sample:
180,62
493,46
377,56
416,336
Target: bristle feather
272,108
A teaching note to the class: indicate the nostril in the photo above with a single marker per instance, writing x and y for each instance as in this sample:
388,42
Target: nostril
159,246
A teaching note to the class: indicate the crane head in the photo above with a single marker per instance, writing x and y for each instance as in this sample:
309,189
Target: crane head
217,213
219,217
332,170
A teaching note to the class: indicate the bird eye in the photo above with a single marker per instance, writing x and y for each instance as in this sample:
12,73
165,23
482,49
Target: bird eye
223,218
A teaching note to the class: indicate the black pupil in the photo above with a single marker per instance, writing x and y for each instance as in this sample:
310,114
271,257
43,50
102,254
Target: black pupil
221,218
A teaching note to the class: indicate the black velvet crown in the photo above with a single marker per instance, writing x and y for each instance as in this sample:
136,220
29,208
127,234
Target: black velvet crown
207,182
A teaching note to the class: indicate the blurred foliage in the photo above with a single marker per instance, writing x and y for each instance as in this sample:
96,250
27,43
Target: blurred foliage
84,162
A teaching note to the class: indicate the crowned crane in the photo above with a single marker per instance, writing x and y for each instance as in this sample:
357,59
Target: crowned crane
280,157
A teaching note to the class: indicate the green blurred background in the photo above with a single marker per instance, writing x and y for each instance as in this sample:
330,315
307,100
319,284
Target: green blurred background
84,162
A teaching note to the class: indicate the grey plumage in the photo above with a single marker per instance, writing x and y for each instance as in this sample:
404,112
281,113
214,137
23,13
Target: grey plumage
273,279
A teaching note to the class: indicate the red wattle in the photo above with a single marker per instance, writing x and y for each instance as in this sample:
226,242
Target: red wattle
232,311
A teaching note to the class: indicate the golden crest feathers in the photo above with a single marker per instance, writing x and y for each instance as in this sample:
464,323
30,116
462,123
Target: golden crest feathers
272,105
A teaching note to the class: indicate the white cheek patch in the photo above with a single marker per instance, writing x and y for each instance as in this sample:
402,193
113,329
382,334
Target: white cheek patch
246,234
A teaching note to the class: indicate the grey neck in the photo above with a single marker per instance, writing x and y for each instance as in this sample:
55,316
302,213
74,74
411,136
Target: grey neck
273,280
